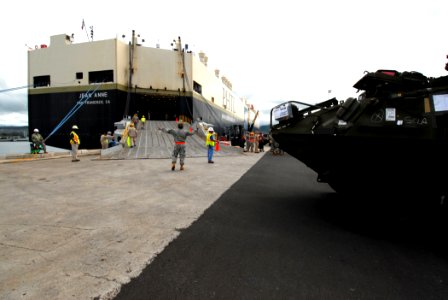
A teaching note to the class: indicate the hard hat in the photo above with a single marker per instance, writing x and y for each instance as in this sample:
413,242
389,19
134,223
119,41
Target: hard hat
75,127
210,129
36,130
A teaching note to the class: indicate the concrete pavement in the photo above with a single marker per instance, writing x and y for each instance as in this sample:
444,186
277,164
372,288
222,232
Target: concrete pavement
81,230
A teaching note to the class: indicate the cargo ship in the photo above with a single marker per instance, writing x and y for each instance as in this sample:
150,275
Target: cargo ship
97,83
391,141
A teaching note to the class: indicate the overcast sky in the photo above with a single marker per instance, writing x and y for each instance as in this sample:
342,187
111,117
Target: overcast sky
272,51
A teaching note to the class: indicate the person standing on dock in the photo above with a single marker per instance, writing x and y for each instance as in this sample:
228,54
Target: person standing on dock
143,121
135,120
38,140
74,141
250,142
210,143
180,137
132,133
105,139
261,142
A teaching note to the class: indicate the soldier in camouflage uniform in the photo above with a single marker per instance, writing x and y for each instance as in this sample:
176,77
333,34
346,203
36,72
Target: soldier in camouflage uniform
180,136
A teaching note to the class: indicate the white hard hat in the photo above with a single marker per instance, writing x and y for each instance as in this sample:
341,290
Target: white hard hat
75,127
36,130
210,129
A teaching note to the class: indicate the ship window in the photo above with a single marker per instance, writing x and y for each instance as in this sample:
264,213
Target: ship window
41,81
79,75
101,76
197,87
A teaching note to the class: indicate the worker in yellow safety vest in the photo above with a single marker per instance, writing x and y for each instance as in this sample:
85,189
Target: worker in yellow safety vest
74,141
143,121
210,143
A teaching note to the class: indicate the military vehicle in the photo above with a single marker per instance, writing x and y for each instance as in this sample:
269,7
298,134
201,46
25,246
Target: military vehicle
391,140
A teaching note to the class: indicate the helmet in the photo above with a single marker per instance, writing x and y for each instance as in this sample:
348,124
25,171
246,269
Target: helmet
210,129
36,130
75,127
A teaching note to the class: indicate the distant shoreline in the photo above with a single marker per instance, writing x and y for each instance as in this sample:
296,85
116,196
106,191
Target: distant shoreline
13,133
14,140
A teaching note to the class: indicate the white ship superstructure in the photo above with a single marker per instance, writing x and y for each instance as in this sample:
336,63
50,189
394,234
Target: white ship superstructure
114,79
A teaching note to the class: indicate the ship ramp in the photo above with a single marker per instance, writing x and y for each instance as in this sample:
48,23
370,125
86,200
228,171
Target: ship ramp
154,143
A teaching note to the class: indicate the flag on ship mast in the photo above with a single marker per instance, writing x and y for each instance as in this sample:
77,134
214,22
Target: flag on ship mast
83,24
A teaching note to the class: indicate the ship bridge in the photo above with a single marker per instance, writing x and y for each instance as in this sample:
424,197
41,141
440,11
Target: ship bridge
154,143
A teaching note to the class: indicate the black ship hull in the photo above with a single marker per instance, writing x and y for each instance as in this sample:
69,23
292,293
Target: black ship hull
106,106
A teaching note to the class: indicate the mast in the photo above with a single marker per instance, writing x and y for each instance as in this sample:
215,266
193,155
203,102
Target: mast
131,72
183,71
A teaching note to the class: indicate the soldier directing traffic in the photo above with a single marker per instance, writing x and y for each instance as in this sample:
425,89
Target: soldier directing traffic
180,137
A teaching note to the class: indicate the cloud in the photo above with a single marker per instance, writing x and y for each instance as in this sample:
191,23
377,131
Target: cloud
13,106
13,102
13,119
16,102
